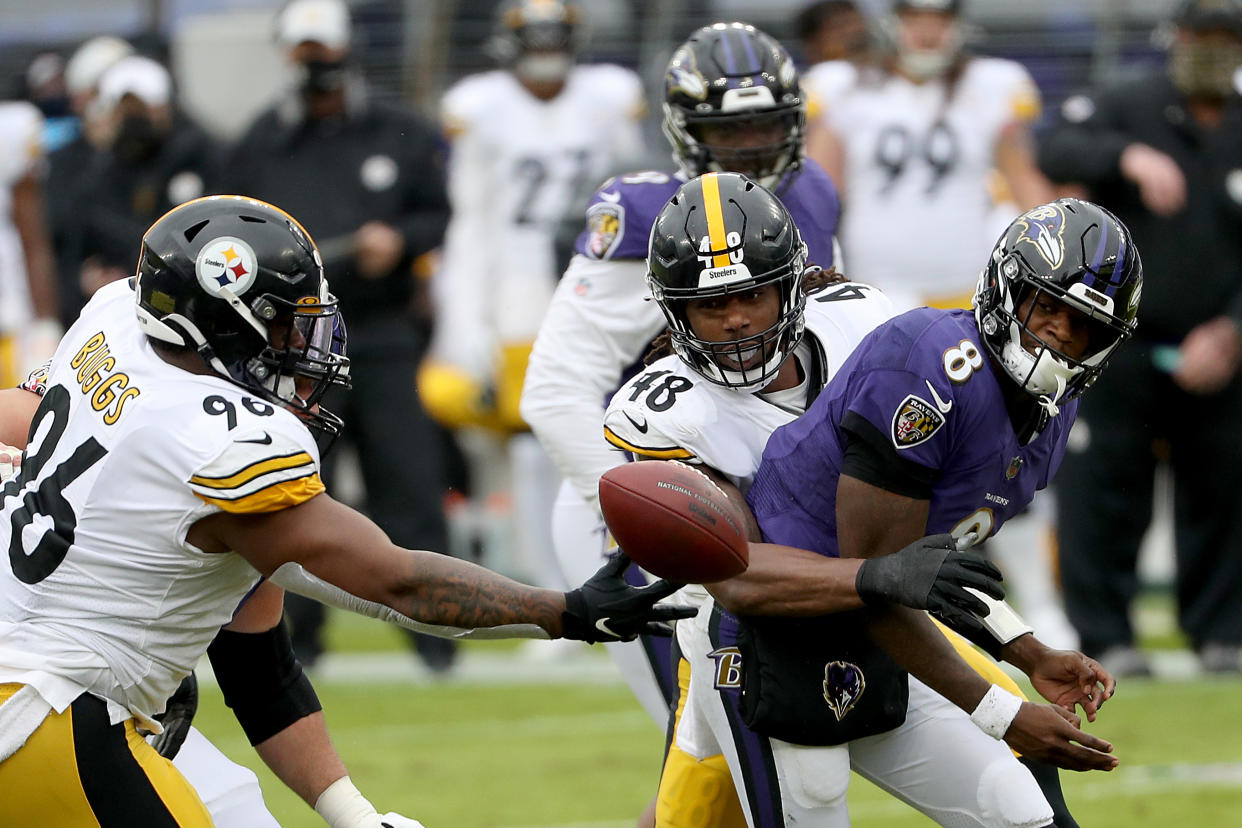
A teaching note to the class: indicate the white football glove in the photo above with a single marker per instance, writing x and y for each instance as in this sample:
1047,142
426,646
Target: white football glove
395,820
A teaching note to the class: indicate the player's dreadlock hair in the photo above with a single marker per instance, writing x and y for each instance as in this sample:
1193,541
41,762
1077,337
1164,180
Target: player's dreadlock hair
813,278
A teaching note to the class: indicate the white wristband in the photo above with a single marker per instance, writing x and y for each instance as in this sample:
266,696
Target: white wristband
996,711
343,806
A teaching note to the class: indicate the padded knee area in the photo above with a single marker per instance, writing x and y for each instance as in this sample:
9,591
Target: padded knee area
815,777
697,793
1009,797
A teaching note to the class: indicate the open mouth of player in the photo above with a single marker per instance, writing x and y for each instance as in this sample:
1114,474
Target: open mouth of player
740,356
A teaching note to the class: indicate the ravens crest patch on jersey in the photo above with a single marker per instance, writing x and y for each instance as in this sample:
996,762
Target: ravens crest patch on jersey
914,422
605,228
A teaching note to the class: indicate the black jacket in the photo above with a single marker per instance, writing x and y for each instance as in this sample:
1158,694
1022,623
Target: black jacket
1192,261
375,162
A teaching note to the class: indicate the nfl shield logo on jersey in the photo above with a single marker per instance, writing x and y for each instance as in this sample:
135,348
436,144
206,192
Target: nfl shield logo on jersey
844,684
915,421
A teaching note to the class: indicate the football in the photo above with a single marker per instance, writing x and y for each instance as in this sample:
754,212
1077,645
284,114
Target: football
674,521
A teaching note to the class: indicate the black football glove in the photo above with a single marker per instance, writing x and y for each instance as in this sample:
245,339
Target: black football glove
176,718
930,574
606,608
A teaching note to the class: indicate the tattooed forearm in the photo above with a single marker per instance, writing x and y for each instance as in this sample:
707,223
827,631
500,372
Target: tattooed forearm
442,590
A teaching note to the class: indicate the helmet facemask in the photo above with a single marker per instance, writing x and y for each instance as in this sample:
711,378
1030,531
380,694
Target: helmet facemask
726,362
304,357
702,143
537,41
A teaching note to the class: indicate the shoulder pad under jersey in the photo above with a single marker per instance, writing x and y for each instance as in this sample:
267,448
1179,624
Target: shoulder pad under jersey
655,412
264,467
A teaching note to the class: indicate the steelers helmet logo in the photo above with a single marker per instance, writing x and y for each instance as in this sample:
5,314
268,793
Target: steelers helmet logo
226,262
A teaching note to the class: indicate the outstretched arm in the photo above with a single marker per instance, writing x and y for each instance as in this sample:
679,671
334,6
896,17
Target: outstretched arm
787,581
342,547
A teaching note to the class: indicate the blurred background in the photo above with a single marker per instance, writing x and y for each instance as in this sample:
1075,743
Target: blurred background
212,68
414,50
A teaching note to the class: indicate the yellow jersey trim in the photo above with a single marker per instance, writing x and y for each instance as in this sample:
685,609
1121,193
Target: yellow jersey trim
261,467
656,454
275,497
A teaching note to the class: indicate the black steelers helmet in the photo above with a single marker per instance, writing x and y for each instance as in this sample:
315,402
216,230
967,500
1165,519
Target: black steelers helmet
1074,252
723,234
733,76
241,283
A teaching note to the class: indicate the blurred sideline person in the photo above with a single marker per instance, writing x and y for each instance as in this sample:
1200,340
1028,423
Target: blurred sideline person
1164,150
526,141
168,492
927,132
368,180
68,165
600,321
832,30
941,422
29,327
152,160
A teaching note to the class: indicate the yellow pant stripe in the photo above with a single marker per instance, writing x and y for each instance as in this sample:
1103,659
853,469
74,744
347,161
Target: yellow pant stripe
695,793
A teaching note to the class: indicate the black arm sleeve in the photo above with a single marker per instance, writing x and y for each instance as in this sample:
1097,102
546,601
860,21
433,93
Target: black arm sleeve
872,458
262,681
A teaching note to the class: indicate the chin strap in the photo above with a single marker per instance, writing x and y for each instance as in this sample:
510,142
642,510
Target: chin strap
1049,404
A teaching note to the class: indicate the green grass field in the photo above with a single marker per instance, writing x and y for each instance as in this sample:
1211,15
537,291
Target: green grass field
481,754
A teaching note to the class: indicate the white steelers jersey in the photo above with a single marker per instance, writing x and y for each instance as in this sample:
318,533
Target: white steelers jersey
516,166
101,591
21,127
918,214
670,411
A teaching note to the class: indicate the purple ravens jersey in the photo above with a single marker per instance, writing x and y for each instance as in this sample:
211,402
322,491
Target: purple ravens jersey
620,214
923,383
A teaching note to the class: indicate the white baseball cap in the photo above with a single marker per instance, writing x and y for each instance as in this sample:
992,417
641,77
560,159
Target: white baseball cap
320,21
91,60
141,77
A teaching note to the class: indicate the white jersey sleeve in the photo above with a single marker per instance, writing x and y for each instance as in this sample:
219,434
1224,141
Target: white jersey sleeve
601,316
259,470
669,412
1014,89
21,141
825,83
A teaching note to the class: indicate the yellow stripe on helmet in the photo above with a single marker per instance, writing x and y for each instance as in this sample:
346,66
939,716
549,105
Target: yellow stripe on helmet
715,219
